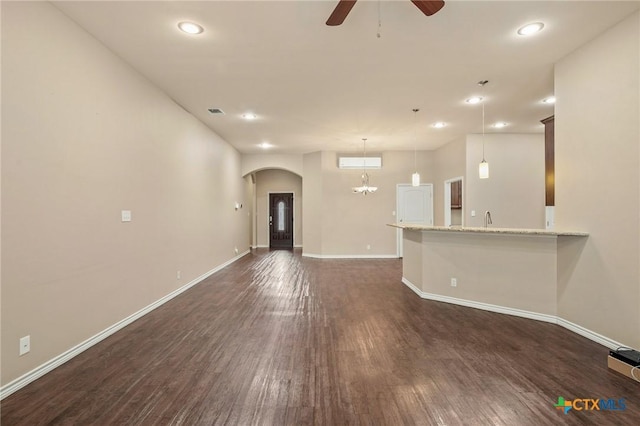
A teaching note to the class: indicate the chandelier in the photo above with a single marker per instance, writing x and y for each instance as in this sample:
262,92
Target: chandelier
365,188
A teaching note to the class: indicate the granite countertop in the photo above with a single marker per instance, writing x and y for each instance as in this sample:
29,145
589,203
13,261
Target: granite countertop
512,231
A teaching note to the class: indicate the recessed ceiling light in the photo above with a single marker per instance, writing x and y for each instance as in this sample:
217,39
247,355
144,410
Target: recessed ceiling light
474,100
190,27
530,29
500,125
265,145
549,100
249,116
439,124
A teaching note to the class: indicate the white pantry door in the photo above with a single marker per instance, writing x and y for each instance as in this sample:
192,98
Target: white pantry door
415,206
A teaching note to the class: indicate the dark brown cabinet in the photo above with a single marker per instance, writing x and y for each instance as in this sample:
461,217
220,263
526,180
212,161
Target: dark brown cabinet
549,157
456,194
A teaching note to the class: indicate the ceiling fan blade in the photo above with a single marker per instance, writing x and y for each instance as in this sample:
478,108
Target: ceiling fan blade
340,12
428,7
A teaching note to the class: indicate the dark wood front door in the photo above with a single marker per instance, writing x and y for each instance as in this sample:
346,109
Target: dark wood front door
281,220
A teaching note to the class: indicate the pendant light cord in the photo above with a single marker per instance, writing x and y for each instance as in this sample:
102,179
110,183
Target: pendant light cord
379,21
364,150
415,140
483,129
364,161
481,83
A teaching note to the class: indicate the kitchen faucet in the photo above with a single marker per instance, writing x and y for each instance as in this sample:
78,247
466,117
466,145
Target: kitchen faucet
487,218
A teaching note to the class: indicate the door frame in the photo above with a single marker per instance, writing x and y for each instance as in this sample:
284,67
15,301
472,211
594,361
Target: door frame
397,212
447,200
293,215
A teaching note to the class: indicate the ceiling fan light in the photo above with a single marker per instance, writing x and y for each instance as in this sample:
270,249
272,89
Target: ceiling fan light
474,100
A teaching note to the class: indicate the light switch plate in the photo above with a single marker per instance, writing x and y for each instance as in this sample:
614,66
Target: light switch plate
126,215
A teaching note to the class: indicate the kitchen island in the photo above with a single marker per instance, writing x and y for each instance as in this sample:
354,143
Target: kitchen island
512,271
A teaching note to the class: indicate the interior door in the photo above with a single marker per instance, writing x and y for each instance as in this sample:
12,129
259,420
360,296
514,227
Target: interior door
453,202
415,206
281,220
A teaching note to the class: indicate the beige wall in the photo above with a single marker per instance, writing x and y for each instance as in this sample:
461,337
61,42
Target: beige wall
312,203
256,162
513,271
514,192
84,137
597,139
412,258
277,181
456,217
348,222
249,207
449,161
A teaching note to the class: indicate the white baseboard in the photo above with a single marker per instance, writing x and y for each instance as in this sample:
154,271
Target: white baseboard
350,256
480,305
413,288
591,335
53,363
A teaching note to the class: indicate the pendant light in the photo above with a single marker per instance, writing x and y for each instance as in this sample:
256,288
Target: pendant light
415,177
364,189
483,168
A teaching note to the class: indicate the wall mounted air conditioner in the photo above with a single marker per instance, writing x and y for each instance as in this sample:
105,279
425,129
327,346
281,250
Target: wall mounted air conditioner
373,162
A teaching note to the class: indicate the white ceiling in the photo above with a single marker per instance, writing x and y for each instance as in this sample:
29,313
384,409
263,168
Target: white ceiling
315,87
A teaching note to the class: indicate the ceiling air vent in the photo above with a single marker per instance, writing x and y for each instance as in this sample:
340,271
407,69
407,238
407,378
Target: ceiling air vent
215,111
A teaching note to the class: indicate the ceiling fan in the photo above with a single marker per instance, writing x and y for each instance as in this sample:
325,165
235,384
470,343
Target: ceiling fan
344,7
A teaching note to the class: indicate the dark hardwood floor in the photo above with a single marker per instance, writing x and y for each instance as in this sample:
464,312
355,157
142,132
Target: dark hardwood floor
278,339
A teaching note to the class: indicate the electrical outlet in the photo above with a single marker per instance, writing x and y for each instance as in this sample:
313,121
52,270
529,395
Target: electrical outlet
368,246
454,282
25,345
179,275
236,250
